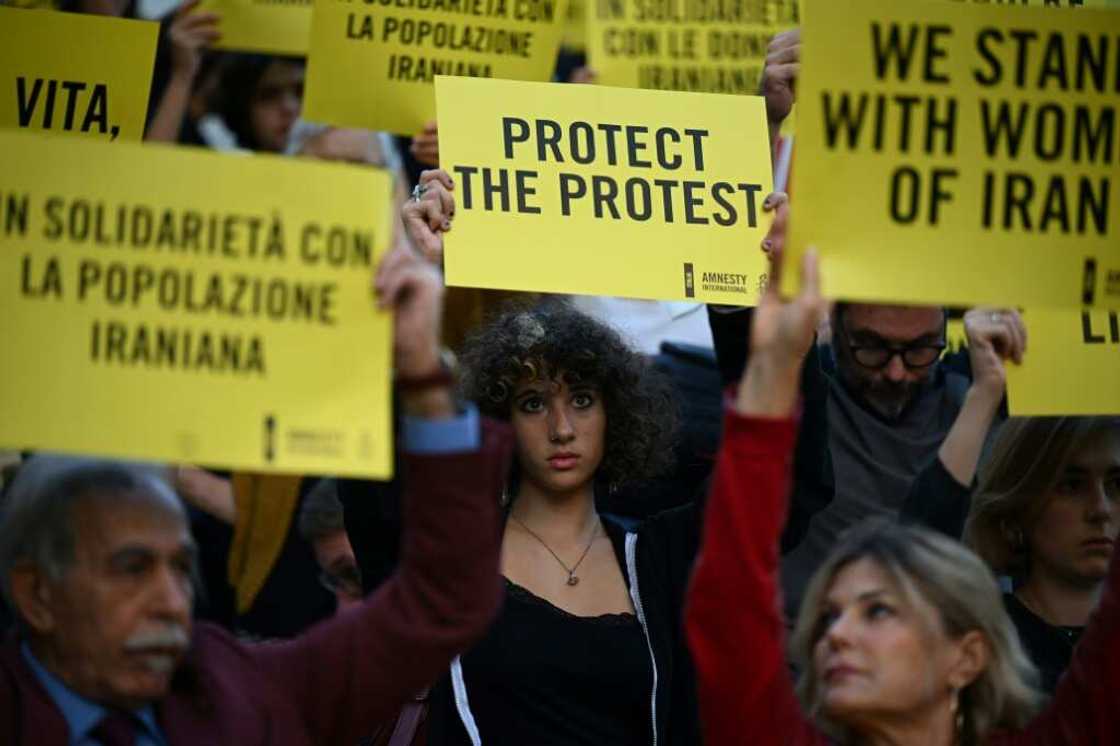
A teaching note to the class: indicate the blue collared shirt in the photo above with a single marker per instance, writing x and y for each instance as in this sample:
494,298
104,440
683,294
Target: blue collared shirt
82,716
459,434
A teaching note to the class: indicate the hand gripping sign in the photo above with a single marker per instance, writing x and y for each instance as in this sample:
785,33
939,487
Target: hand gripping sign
605,191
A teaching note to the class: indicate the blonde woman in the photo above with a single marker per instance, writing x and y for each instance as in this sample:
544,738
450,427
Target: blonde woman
902,640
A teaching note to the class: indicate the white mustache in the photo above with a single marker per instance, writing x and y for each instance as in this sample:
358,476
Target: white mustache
173,637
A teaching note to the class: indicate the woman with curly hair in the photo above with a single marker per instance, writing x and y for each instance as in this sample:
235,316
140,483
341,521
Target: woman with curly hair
588,648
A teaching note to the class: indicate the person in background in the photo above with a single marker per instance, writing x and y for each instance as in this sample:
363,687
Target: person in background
886,418
182,48
202,125
96,558
1044,514
184,36
260,98
321,524
902,638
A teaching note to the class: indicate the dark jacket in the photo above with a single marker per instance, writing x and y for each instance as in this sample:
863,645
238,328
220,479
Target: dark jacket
814,483
656,560
336,683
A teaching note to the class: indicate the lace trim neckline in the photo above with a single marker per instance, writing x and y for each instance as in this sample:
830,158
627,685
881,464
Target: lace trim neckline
624,619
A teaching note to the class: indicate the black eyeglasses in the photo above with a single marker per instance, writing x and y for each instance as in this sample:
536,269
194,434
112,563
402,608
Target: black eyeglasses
878,356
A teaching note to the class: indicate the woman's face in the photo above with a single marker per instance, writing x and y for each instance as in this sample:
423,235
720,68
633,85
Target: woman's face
876,659
277,101
1076,532
560,429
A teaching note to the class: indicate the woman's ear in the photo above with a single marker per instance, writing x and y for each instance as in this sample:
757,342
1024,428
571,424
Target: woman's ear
971,657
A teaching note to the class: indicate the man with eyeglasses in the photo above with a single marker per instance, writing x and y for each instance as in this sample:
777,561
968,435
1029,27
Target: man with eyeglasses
885,414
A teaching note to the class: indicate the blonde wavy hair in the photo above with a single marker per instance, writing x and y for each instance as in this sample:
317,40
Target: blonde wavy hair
955,593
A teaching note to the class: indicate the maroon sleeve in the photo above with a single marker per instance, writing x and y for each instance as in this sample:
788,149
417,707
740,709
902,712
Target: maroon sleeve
1083,711
351,673
732,622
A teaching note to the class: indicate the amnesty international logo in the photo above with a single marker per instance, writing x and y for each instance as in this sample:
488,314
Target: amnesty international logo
725,282
269,438
689,281
1089,282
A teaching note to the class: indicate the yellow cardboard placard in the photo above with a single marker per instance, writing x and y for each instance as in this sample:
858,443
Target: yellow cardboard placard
574,37
33,4
268,26
177,304
57,73
605,191
1051,3
1072,365
956,338
682,46
937,164
372,63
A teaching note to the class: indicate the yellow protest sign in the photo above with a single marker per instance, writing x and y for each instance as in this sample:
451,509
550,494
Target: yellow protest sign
177,304
959,154
56,73
1072,365
372,64
1049,3
684,46
574,36
33,4
956,338
605,191
268,26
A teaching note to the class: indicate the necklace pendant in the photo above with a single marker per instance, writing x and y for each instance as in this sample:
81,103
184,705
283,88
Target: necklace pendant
573,580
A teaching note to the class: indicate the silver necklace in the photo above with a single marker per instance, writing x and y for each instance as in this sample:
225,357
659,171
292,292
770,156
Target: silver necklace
573,579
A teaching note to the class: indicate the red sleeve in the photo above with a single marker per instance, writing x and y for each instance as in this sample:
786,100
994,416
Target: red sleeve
733,623
1083,710
351,673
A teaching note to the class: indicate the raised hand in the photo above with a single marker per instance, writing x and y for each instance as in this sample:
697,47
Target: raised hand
775,241
781,334
425,145
189,34
428,215
413,288
995,335
779,75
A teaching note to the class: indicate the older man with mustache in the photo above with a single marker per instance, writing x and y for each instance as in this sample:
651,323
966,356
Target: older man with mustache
97,559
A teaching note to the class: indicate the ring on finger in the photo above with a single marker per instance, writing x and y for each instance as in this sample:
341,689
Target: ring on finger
418,192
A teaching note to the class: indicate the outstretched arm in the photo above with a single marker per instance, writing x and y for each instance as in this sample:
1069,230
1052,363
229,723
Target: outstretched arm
349,674
188,34
941,494
732,621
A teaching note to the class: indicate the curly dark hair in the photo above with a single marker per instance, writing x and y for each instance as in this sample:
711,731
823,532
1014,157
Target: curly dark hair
551,338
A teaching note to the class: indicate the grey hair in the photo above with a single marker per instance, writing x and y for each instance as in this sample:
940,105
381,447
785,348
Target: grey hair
321,514
37,523
958,593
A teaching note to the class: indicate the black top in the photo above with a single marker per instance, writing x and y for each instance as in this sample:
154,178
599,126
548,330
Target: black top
943,506
1050,647
665,546
545,677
